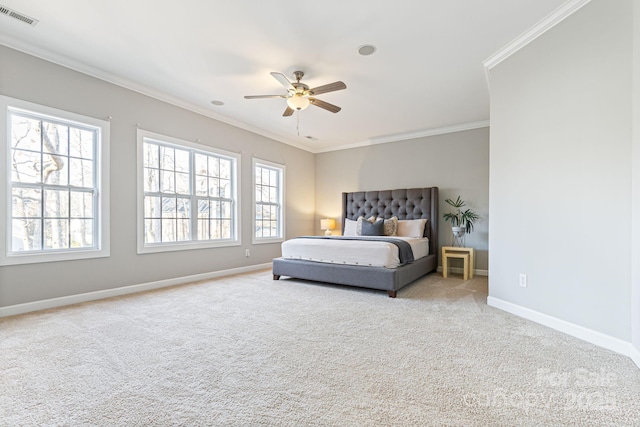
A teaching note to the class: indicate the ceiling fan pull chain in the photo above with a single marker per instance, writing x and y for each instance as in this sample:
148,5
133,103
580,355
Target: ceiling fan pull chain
298,123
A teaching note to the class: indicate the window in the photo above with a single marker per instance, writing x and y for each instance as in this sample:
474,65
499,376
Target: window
188,195
268,213
56,200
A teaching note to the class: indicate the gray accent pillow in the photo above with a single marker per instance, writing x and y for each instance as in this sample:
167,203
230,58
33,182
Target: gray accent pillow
362,219
375,229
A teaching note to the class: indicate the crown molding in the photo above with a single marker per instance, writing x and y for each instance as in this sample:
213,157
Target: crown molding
408,135
181,103
139,88
550,21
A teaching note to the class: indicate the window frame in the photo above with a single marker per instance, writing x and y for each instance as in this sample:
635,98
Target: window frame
101,247
281,169
145,248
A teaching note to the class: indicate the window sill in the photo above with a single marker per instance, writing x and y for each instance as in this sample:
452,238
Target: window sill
267,240
185,246
34,258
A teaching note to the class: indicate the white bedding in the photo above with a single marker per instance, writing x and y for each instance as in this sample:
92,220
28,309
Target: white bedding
352,252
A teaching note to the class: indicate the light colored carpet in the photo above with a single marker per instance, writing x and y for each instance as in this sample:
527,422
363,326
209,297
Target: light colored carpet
247,350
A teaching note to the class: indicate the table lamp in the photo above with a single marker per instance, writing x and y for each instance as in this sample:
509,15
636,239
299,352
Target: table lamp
327,224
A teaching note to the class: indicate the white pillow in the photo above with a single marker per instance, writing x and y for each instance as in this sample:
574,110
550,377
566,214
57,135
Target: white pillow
350,227
411,227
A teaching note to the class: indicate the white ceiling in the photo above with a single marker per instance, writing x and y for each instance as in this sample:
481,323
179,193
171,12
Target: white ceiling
426,75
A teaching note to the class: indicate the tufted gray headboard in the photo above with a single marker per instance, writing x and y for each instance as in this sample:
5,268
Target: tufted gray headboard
408,203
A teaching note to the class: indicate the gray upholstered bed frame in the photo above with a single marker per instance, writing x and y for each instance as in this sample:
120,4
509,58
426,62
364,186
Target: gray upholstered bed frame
412,203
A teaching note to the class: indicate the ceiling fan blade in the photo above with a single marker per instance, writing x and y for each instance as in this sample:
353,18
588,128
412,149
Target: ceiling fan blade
288,112
325,105
331,87
264,96
284,81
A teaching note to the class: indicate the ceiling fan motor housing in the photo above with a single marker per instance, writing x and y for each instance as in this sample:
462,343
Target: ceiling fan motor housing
299,88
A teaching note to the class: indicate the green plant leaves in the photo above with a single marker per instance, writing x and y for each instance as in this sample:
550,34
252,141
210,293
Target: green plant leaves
460,218
457,204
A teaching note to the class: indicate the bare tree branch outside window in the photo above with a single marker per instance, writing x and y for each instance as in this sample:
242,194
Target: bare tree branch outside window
188,194
52,184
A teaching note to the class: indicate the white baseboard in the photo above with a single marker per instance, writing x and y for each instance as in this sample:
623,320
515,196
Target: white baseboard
635,355
459,270
12,310
585,334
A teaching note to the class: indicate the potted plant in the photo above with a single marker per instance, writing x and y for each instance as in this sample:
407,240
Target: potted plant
461,220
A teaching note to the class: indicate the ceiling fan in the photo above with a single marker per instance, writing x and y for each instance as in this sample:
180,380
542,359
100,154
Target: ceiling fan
299,96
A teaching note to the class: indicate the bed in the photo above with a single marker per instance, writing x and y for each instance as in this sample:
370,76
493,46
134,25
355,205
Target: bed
405,204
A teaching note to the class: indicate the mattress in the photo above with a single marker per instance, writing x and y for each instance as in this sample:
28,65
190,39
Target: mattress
364,252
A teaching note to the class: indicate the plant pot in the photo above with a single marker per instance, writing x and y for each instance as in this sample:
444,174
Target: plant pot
458,231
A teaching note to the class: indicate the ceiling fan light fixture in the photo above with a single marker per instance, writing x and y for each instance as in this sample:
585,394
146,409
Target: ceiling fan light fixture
299,96
298,102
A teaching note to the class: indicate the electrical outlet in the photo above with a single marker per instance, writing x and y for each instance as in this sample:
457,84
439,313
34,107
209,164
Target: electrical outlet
247,253
523,280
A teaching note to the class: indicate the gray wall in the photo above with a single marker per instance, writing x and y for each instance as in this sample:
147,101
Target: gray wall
28,78
560,164
457,163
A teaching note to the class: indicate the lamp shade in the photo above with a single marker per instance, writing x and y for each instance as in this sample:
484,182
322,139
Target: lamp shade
327,224
298,102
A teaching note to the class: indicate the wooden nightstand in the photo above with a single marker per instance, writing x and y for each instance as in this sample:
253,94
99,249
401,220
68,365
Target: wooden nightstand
467,256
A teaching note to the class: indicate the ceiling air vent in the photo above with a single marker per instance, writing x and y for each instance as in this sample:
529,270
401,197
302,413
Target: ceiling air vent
17,15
